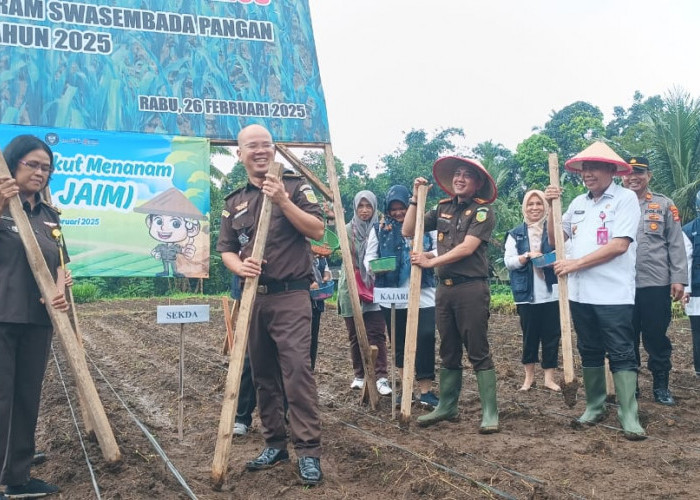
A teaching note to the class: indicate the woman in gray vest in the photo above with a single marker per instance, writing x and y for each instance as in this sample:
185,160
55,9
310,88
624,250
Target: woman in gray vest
534,290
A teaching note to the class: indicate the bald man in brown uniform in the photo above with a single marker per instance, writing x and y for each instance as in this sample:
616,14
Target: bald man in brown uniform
280,328
464,222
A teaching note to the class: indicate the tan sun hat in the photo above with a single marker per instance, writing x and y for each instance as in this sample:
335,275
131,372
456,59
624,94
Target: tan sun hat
444,170
598,152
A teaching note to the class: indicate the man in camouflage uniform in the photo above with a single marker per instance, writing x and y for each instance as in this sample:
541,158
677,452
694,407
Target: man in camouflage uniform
662,273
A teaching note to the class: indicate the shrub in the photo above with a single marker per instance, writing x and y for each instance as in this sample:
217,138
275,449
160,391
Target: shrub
85,292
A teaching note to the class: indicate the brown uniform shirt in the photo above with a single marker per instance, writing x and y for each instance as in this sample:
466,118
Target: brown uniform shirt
287,251
453,222
19,292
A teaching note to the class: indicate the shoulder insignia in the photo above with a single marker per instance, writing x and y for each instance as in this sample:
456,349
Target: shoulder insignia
675,213
444,200
480,201
648,196
237,190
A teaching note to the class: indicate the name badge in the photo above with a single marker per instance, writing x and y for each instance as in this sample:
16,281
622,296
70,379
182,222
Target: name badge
603,235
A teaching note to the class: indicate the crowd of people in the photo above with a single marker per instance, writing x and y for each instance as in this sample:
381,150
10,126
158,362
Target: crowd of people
627,257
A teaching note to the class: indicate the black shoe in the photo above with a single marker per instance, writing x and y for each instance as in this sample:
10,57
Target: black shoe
664,397
310,471
269,457
34,488
661,393
39,458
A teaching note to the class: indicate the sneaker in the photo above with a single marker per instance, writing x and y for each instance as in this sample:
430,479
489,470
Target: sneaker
358,383
429,400
383,386
34,488
397,401
240,429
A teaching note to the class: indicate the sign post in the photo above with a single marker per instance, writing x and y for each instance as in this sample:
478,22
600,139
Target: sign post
182,314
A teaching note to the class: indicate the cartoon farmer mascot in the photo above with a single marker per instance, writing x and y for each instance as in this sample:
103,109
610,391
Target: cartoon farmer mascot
173,221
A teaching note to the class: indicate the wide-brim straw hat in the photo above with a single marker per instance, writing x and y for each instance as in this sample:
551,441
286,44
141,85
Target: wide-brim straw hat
444,170
598,152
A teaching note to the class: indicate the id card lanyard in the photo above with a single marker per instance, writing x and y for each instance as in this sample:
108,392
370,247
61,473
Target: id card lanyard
603,232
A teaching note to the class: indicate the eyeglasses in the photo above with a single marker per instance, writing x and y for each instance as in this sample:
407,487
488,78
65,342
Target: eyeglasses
259,145
34,165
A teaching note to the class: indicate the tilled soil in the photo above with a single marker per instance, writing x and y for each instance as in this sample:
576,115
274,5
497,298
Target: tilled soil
537,454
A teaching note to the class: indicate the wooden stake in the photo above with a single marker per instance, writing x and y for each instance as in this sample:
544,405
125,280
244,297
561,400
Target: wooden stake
240,341
230,316
365,352
570,382
62,327
181,405
392,355
310,176
85,410
609,383
409,357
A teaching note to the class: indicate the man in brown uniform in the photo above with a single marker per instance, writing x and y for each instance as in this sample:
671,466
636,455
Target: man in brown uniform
464,223
280,328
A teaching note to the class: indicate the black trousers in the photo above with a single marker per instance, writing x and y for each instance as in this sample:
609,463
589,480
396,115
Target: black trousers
425,341
24,350
652,315
540,324
602,329
246,395
695,329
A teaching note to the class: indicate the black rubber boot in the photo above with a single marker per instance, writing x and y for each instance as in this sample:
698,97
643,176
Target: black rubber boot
661,393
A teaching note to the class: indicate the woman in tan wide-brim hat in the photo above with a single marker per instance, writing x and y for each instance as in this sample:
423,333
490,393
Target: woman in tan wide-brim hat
444,171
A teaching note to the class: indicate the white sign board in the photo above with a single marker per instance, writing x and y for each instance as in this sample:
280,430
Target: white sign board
183,313
387,296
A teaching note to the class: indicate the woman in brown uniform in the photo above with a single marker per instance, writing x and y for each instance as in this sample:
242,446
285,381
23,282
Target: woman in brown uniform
25,326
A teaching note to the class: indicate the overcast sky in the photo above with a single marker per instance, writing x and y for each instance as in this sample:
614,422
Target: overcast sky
494,68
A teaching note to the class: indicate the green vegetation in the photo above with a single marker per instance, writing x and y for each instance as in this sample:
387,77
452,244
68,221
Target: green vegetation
665,129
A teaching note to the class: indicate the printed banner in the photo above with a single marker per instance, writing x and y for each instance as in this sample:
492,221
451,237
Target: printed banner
131,204
178,67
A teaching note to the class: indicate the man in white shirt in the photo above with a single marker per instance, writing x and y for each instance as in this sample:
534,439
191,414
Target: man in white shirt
602,228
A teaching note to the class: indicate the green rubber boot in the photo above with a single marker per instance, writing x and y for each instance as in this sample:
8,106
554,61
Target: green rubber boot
628,412
486,380
594,383
450,387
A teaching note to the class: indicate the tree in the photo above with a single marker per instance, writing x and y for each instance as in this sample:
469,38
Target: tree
630,132
532,156
574,128
676,157
500,163
415,159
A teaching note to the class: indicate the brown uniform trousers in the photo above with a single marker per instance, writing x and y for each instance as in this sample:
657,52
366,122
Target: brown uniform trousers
462,317
279,350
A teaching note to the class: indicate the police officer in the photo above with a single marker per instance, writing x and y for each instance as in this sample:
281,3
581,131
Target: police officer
661,274
280,327
601,226
464,222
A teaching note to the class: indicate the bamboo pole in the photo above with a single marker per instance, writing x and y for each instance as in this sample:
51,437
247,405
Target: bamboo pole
570,383
310,176
409,357
365,352
240,341
63,328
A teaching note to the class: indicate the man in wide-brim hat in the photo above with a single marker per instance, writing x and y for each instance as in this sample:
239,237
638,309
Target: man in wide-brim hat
602,228
464,223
